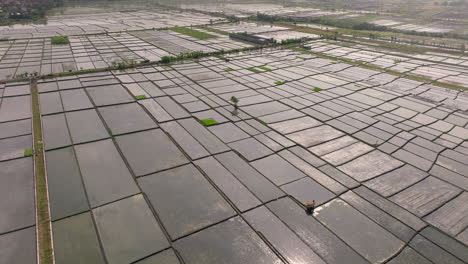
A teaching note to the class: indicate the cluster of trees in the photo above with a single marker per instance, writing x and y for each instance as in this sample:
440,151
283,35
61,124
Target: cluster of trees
342,23
25,9
369,26
453,3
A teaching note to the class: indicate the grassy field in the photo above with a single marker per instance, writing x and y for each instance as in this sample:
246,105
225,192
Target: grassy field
208,122
193,33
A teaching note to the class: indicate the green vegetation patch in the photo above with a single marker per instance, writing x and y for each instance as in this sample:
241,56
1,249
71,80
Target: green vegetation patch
316,89
450,85
186,56
228,69
214,30
166,59
265,68
193,33
324,34
208,122
411,49
28,152
73,73
299,57
261,122
365,33
59,40
140,97
124,64
252,69
280,82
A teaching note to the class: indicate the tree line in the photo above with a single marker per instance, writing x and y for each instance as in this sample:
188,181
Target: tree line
25,9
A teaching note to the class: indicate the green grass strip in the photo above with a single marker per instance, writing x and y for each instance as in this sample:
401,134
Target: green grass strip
140,97
265,68
280,82
253,69
193,33
316,89
228,69
44,235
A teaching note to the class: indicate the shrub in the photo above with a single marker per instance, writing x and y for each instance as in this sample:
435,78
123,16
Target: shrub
166,59
235,101
28,152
